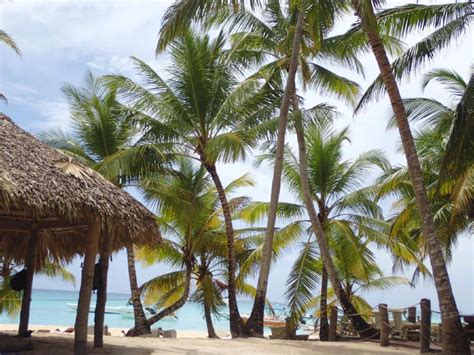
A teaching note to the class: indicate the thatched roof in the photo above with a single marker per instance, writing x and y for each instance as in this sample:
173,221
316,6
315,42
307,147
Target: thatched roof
39,184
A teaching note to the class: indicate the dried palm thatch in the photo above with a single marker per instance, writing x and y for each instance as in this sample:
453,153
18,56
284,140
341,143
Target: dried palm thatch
42,188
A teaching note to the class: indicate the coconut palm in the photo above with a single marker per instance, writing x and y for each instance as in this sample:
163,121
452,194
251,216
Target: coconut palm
6,39
102,138
449,187
187,205
189,210
371,279
203,112
268,40
450,21
348,216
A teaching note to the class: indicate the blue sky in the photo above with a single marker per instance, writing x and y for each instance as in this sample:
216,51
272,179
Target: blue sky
61,40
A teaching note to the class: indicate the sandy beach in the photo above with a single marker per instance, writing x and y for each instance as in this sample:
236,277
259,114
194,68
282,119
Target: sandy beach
195,342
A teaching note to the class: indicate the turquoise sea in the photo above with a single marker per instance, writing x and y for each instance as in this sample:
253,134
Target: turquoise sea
49,307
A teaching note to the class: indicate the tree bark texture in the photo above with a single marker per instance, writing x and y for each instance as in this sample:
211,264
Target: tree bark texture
254,325
455,340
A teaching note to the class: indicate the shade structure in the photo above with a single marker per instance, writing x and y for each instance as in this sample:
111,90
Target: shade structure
48,198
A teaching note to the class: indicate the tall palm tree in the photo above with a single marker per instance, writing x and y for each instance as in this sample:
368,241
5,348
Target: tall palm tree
455,18
203,112
102,138
349,217
450,188
271,38
6,39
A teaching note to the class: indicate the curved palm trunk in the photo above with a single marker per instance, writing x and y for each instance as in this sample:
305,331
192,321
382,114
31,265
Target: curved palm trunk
211,333
236,323
454,338
323,307
178,304
361,326
102,291
141,324
254,325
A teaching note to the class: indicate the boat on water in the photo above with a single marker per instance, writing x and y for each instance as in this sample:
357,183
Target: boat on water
124,311
269,321
108,310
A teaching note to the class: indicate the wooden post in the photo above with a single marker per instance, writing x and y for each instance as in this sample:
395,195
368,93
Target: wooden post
30,264
384,325
425,327
102,291
333,324
80,327
411,314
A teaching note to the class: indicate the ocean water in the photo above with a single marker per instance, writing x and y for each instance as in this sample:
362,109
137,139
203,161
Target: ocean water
49,307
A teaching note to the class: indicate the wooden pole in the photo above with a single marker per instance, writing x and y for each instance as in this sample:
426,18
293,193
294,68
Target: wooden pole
411,314
384,325
333,324
80,328
425,327
102,291
30,263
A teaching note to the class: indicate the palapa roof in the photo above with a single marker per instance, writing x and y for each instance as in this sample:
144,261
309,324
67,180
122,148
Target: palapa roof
41,185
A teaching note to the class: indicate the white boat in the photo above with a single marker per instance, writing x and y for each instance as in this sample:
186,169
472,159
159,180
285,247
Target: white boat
124,311
108,310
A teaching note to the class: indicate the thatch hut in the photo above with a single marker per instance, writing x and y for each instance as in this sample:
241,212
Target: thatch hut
46,197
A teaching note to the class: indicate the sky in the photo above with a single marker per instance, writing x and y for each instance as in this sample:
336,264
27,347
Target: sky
61,40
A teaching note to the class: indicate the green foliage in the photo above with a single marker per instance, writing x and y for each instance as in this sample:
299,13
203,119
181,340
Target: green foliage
442,145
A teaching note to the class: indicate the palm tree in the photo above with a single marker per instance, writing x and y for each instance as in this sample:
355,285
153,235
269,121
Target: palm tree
271,38
450,190
455,18
103,136
371,279
348,216
6,39
203,113
189,211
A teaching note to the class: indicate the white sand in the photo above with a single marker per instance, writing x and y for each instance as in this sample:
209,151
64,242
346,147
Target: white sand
194,342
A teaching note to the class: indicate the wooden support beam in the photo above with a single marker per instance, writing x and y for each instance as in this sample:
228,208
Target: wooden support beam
411,314
333,324
384,325
80,327
425,326
102,291
30,262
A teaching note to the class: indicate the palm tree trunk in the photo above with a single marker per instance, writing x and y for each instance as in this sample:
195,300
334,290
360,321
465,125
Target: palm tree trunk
211,333
361,326
30,264
323,307
102,291
178,304
82,316
141,324
455,340
236,323
254,325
